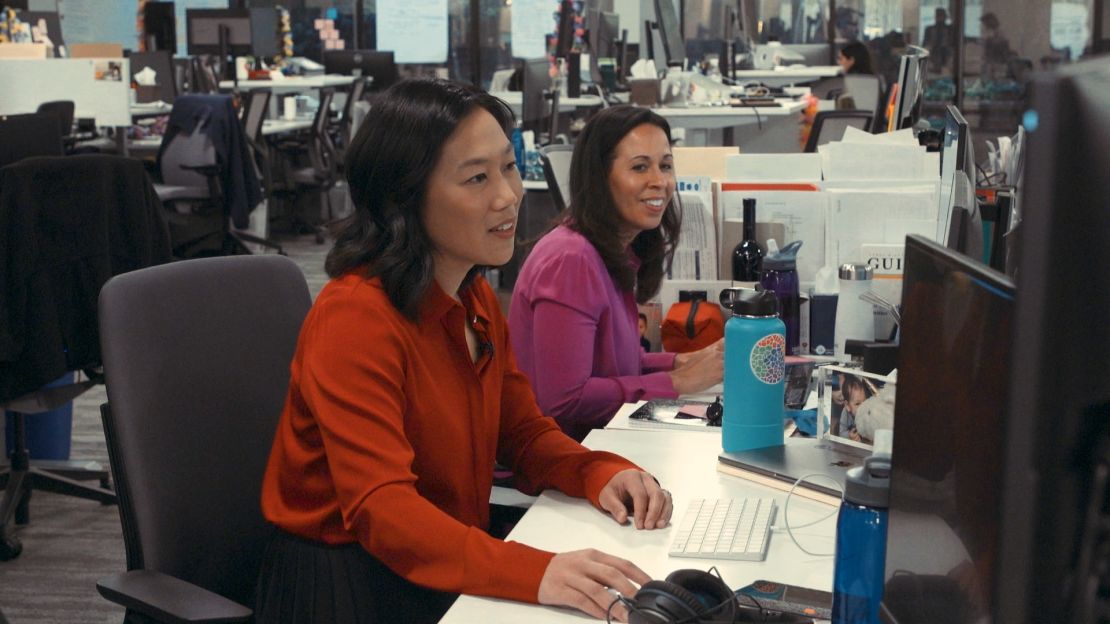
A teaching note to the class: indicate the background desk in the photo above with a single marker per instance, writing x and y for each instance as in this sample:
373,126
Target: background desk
763,129
788,75
290,85
515,100
686,464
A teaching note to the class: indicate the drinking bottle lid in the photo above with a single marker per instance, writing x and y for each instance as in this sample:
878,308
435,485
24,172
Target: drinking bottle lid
750,301
856,272
869,484
785,259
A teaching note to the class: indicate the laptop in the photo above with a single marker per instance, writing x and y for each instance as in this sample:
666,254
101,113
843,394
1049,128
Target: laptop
801,457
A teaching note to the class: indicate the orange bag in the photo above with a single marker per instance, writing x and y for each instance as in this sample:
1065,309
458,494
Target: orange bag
691,324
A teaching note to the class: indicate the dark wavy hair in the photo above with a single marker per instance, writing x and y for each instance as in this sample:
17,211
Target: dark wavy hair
858,52
388,166
593,213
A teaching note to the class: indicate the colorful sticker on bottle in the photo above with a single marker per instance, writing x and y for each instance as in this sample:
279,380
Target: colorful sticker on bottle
768,358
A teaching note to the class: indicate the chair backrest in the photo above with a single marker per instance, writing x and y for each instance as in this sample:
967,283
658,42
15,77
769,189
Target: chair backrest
556,170
187,149
254,113
866,91
23,136
63,111
829,126
196,359
321,151
354,96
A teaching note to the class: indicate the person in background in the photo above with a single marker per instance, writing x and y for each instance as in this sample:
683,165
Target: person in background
996,49
573,315
938,40
645,344
403,391
855,58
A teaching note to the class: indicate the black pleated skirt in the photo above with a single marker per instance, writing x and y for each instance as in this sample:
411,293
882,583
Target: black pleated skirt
306,582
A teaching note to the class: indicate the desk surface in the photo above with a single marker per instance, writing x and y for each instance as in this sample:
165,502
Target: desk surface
787,75
292,83
278,126
686,463
150,109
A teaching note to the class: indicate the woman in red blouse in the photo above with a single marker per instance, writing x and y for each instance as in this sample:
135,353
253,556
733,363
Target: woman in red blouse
404,391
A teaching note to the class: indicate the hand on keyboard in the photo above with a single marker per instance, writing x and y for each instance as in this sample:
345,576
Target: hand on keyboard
637,492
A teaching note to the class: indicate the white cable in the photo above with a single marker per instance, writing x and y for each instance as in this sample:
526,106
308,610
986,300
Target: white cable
786,513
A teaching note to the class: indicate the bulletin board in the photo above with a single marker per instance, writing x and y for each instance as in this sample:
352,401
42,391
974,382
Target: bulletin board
415,30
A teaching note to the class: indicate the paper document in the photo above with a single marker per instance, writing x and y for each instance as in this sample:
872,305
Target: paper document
695,257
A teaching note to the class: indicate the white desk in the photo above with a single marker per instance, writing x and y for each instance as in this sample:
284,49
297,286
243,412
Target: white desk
515,100
785,76
762,129
686,464
291,84
150,109
278,126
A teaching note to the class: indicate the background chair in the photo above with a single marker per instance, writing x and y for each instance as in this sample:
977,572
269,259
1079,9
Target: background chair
189,423
63,111
342,131
866,91
830,126
67,225
319,174
23,136
556,170
209,178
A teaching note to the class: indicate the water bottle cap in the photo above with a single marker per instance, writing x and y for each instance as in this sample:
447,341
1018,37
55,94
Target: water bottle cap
869,484
750,301
856,272
785,259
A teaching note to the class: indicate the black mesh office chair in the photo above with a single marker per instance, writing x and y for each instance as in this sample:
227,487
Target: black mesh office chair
196,356
63,111
341,131
24,136
318,176
829,126
556,170
68,224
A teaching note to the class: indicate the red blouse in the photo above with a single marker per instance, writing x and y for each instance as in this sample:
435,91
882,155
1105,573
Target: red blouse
389,433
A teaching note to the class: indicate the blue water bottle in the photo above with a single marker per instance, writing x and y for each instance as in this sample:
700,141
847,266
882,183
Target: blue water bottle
518,148
780,275
861,538
755,367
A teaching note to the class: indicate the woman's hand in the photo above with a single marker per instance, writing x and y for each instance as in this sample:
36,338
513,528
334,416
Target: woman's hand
637,492
586,580
694,372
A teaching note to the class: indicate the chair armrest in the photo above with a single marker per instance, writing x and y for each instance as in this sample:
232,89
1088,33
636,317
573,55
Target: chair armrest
169,599
205,170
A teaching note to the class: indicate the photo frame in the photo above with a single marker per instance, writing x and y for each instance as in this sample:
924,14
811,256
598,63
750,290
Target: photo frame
853,420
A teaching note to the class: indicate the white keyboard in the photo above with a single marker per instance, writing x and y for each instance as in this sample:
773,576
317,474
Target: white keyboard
737,529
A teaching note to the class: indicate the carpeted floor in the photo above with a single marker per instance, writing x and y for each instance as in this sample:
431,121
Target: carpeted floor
70,543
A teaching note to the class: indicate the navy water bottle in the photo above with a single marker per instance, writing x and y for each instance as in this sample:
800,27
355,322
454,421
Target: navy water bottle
755,367
780,275
518,148
861,538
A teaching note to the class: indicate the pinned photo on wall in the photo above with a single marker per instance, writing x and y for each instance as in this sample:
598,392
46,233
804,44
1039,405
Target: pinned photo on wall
853,404
108,70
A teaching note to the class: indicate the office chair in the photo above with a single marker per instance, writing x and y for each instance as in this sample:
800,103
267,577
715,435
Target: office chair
866,91
196,356
556,170
69,224
829,126
63,111
342,131
24,136
199,178
321,173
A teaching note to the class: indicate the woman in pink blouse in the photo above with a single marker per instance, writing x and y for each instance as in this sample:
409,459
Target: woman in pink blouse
573,318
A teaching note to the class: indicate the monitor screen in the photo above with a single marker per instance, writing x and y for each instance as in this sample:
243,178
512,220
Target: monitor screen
1059,412
911,85
666,20
160,26
564,35
945,484
537,80
203,30
377,64
960,224
604,31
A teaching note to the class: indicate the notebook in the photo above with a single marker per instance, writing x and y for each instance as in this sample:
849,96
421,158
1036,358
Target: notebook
781,466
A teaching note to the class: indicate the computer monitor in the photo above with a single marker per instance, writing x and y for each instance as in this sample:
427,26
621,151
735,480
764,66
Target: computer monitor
537,80
1058,419
250,32
604,32
564,33
377,64
946,479
909,90
960,225
160,26
666,22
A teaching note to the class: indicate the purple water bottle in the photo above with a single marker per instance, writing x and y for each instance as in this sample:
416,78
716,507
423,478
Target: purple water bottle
780,275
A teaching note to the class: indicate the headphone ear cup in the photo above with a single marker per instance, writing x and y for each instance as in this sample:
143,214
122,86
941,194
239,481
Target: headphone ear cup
709,591
662,602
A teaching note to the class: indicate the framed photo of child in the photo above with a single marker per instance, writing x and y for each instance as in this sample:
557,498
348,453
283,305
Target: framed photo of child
853,404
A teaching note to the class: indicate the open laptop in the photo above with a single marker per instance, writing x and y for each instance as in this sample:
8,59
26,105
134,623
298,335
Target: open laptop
801,457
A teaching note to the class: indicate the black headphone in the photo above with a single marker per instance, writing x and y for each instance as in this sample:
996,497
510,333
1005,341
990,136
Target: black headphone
686,597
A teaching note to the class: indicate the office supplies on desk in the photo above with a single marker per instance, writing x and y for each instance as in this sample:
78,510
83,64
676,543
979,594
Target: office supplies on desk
855,318
672,414
789,598
736,529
